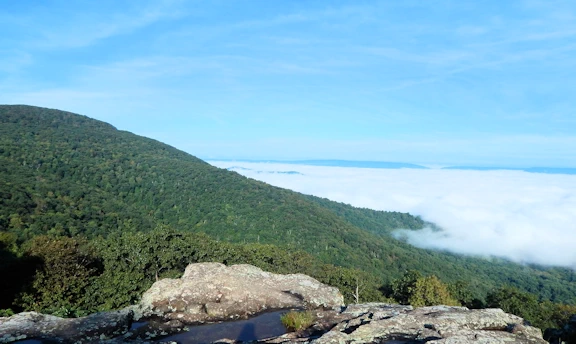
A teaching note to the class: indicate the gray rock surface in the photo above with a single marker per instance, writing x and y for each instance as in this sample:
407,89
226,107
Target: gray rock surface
216,292
382,323
95,327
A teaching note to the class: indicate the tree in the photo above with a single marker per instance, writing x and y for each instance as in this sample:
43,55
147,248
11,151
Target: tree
404,287
66,269
417,290
430,291
515,301
460,290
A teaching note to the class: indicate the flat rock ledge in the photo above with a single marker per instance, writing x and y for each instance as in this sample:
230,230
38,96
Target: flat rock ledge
209,292
356,324
387,323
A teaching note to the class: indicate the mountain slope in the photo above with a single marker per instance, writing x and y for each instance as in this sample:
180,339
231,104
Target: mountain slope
62,173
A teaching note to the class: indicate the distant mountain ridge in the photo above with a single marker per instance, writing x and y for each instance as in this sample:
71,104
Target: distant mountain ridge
398,165
240,168
546,170
335,163
66,174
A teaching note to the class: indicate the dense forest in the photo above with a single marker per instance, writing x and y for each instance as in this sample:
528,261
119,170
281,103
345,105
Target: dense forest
129,209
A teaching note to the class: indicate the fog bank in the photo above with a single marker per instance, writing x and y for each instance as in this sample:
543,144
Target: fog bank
526,217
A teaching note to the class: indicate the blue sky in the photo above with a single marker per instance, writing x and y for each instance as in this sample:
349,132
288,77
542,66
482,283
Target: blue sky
432,82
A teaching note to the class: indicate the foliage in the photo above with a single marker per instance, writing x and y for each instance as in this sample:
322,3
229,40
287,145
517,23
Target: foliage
553,315
417,290
296,321
526,305
461,292
16,271
6,312
375,221
403,288
67,267
133,261
430,291
514,301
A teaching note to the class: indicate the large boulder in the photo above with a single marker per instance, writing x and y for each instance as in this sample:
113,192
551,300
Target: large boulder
93,328
215,292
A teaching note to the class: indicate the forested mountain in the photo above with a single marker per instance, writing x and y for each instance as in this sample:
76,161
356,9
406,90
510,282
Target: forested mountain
63,174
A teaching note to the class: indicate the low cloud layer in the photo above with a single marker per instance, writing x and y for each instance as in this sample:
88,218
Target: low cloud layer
526,217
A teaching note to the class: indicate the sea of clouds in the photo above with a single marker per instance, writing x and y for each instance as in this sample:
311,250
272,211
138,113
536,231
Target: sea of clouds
526,217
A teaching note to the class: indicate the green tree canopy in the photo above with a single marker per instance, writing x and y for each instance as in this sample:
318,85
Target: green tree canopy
418,290
67,268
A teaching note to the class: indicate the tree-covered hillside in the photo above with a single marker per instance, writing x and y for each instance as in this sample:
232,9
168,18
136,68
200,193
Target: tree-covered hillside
375,221
63,174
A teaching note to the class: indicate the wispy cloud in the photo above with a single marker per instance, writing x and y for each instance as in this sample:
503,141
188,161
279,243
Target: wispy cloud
13,61
521,216
80,29
437,58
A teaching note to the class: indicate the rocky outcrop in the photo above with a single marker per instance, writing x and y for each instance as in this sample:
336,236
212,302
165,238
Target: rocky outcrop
93,328
382,323
210,292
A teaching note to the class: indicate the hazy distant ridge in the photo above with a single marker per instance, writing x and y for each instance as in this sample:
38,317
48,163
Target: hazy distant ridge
335,163
396,165
548,170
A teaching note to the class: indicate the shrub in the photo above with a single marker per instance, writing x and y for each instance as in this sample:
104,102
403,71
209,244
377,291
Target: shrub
296,321
6,312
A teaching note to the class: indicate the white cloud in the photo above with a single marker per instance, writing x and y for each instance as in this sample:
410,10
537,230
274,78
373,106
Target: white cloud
526,217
